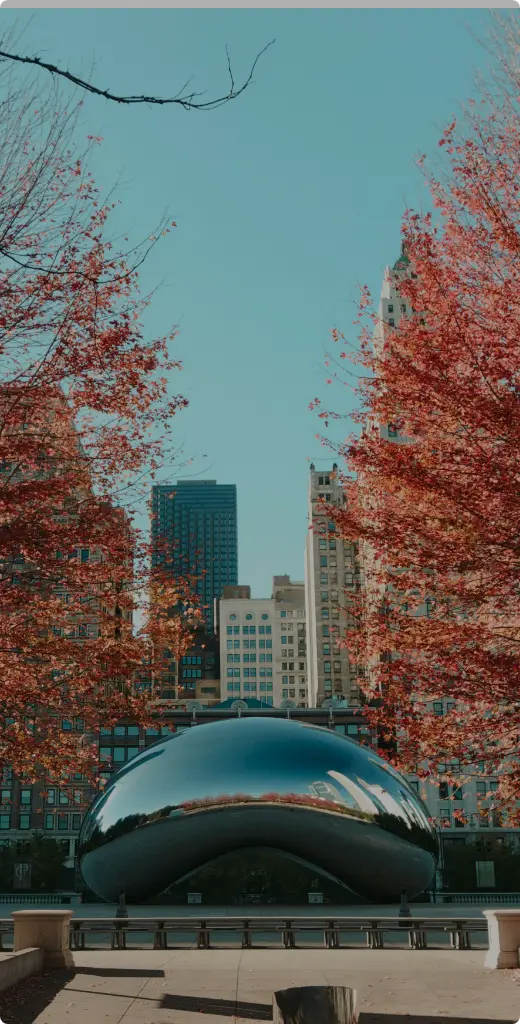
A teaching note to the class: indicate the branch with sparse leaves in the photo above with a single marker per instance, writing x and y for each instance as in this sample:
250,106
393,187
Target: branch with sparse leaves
189,101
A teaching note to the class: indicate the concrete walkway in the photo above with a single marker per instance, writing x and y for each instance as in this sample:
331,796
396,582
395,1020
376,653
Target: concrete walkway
176,987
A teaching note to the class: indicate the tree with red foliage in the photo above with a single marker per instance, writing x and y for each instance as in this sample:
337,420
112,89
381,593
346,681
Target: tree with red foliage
438,514
85,415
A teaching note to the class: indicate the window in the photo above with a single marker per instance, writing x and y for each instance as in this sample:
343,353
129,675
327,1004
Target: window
229,629
283,614
25,796
332,545
232,618
25,821
283,639
63,797
323,543
324,596
325,631
324,613
437,707
390,307
249,616
49,822
118,754
444,791
264,616
63,822
301,666
392,430
76,822
414,785
391,321
323,561
324,579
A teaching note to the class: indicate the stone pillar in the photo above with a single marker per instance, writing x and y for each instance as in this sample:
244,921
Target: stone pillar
47,930
504,938
315,1004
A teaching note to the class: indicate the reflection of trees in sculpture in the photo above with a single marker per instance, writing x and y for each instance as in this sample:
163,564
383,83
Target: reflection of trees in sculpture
293,799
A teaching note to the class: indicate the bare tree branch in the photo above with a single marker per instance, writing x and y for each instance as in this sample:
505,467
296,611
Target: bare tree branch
189,101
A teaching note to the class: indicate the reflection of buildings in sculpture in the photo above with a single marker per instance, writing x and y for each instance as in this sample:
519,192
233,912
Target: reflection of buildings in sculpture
326,791
331,573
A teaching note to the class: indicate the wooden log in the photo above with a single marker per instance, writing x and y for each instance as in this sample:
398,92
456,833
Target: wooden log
315,1004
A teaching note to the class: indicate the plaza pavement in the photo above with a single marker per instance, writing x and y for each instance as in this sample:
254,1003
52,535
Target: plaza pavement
176,987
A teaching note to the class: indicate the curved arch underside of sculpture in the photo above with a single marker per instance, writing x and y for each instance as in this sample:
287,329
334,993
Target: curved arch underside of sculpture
301,790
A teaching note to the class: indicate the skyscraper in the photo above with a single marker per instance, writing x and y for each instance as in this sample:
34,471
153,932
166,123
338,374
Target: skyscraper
194,531
331,574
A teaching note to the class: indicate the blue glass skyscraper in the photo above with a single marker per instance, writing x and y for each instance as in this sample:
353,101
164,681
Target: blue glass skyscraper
194,531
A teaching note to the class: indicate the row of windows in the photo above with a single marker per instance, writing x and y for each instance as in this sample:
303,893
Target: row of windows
263,687
118,754
290,680
61,822
248,630
234,673
247,656
192,673
289,666
248,645
326,561
192,659
292,693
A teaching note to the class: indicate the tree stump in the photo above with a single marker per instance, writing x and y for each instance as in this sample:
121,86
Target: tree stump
315,1004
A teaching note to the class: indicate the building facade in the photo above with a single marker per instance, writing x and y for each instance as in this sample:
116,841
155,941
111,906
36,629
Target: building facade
246,635
331,575
291,686
194,532
263,644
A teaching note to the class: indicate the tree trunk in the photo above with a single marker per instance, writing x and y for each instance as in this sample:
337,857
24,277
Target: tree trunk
315,1004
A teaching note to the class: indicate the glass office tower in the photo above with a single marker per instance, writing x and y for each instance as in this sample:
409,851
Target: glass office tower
194,530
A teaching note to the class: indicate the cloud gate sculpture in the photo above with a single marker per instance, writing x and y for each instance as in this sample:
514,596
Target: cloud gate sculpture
301,790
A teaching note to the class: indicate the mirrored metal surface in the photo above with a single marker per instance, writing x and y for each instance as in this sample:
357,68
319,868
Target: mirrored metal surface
296,788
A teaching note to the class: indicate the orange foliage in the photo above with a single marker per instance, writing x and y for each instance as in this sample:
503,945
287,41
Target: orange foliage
438,516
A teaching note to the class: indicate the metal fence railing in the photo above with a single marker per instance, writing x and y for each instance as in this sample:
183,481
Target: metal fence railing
286,933
492,899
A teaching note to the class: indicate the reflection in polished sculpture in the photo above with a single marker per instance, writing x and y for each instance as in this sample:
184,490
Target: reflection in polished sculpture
302,790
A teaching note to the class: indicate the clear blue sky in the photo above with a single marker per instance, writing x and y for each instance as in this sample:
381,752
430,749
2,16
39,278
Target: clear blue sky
285,201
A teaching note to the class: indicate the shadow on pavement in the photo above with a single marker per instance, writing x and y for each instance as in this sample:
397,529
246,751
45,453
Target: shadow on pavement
23,1003
218,1007
437,1018
119,972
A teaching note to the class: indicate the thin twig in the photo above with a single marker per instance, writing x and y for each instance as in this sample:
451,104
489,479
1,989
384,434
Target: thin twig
188,102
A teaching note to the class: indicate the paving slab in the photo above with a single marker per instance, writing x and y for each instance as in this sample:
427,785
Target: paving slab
178,986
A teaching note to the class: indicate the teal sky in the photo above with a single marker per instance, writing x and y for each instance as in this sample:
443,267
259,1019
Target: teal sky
286,200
